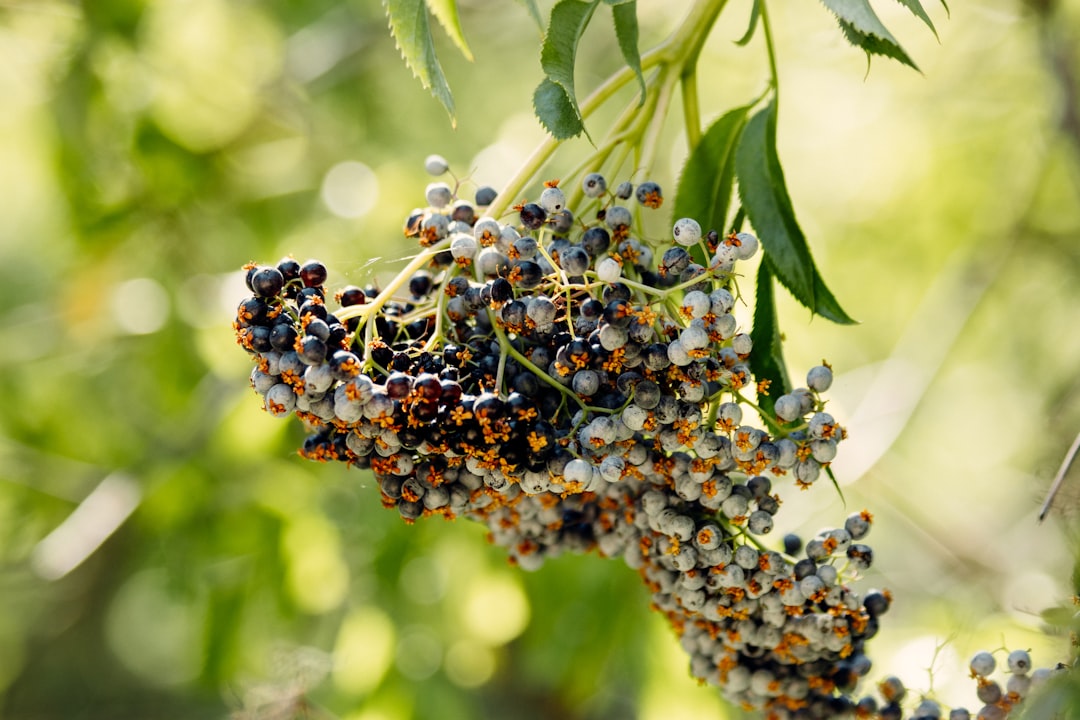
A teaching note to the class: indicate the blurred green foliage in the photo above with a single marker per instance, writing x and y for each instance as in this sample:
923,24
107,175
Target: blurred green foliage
149,149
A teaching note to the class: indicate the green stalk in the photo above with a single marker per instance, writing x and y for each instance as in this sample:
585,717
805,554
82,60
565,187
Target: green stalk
770,48
366,310
691,109
679,51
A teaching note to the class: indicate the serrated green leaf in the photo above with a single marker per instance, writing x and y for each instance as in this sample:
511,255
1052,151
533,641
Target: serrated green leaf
876,46
626,31
534,12
568,21
917,10
767,360
827,305
707,178
446,12
412,32
755,13
765,198
863,28
556,112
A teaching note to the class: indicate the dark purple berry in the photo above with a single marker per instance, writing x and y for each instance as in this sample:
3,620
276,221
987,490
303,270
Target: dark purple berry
533,216
428,387
318,328
267,282
501,290
313,273
314,310
649,195
312,350
344,365
420,284
528,273
595,240
283,336
251,311
398,385
260,339
351,295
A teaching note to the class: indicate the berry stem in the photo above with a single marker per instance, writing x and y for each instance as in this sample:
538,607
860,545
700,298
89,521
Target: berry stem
657,114
678,52
691,108
368,309
508,348
440,310
770,48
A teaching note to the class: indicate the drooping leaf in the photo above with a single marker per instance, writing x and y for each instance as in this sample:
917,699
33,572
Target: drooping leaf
708,176
412,32
826,304
568,21
755,13
626,30
874,45
767,360
446,12
863,28
765,198
555,111
534,12
917,10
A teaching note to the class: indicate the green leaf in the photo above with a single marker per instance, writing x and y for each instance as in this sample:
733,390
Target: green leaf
767,360
765,198
708,176
446,12
626,30
556,111
836,484
863,29
755,13
534,12
568,21
827,305
737,221
412,33
917,10
876,46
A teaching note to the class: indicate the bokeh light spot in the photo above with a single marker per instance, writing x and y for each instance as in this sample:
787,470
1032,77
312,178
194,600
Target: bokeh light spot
350,189
317,576
424,580
419,653
140,306
364,650
155,633
469,664
495,610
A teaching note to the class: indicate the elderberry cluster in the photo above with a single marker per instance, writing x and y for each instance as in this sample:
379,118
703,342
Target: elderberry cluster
997,703
576,387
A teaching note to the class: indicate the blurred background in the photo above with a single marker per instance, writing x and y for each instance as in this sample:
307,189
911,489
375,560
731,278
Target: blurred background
166,554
